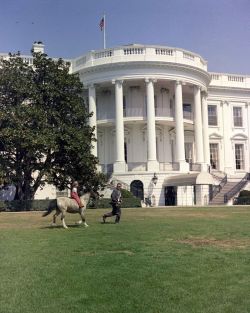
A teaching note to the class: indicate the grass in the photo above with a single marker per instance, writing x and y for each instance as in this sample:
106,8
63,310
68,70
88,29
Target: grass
185,260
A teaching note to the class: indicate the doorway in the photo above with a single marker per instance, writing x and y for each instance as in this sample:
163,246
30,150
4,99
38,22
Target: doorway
170,195
136,188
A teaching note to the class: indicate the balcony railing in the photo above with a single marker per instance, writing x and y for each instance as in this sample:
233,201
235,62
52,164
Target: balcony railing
163,166
230,80
188,115
142,167
141,112
140,53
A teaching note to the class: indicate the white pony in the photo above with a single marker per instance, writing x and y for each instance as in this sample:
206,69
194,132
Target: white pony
65,204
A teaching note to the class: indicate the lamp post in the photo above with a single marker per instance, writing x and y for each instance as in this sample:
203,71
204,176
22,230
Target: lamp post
154,179
151,185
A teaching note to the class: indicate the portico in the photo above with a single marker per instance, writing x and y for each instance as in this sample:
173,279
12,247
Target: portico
161,110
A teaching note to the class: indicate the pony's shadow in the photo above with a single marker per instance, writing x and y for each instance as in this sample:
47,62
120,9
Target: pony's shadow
61,226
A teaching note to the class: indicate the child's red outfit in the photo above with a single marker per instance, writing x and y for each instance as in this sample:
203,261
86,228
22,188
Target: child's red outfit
75,196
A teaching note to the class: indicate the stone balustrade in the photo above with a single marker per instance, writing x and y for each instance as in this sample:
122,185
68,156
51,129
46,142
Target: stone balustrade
29,59
229,80
161,113
139,53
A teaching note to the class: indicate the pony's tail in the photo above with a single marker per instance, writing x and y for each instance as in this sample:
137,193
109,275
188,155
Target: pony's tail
52,206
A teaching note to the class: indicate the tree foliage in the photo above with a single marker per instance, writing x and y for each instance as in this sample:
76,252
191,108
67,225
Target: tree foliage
44,131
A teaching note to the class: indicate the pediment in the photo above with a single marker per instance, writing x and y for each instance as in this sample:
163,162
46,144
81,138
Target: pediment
215,136
239,136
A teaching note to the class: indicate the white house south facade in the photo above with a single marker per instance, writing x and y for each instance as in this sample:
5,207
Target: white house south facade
158,111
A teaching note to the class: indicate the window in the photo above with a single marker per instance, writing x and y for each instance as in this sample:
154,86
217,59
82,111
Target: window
157,148
212,115
187,111
214,156
239,156
125,152
156,107
124,107
189,152
237,114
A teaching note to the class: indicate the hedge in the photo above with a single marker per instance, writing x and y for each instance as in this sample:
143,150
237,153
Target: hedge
42,205
105,203
242,201
244,193
27,205
243,198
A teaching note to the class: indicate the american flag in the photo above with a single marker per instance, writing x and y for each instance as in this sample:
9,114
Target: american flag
102,23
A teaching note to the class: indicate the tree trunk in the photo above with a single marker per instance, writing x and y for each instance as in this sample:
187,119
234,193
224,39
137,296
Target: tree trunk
24,191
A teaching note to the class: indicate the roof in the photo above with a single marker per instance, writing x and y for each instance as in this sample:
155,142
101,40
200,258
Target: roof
202,178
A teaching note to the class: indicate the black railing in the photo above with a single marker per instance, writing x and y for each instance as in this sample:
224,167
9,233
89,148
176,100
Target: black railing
217,176
217,188
236,188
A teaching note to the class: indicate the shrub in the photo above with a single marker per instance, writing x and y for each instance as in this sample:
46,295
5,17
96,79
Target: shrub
129,201
42,205
244,193
127,194
105,203
25,205
242,201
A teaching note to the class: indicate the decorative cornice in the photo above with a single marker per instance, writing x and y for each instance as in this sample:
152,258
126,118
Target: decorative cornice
145,64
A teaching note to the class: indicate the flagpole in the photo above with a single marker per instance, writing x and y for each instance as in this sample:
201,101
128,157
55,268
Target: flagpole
104,32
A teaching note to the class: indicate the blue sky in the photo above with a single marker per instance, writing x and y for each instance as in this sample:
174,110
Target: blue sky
218,30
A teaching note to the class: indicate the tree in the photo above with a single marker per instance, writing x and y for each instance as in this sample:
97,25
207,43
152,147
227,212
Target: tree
44,131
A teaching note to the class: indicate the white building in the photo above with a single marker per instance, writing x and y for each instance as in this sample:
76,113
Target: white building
157,111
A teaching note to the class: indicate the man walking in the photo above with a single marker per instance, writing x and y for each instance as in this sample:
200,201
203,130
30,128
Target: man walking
116,199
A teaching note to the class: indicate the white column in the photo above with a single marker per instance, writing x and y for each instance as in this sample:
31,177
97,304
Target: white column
119,165
153,165
198,125
205,129
179,128
92,119
227,128
248,130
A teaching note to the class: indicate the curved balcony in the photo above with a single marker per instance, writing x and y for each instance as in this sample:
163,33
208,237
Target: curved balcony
139,53
140,113
142,167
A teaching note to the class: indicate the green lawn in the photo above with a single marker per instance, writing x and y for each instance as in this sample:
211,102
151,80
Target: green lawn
185,260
